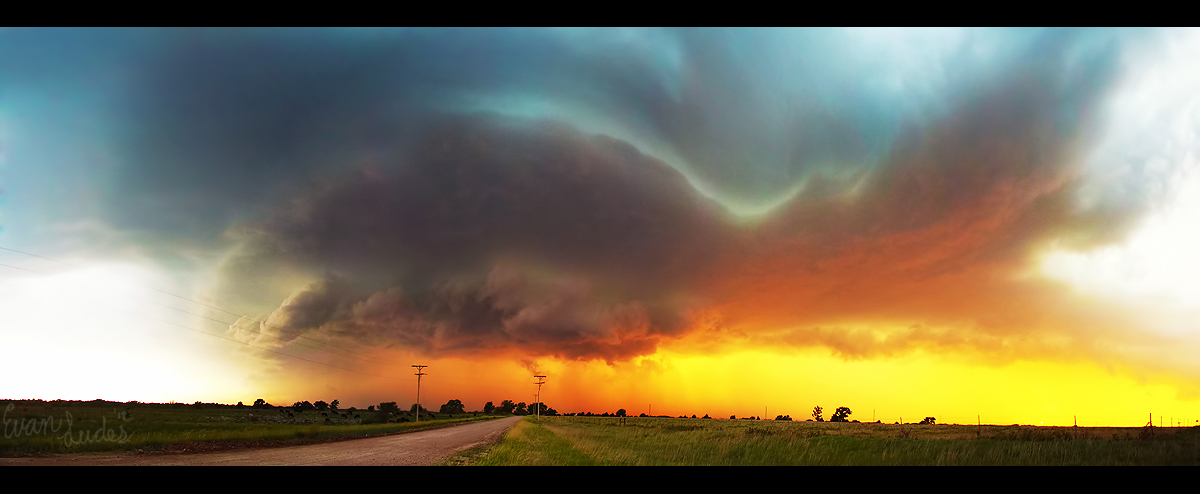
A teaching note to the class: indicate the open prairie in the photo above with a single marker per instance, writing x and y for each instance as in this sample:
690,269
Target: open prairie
57,427
952,225
669,441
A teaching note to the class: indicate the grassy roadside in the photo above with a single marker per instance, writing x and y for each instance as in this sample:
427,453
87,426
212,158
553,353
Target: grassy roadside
85,430
531,443
526,443
576,441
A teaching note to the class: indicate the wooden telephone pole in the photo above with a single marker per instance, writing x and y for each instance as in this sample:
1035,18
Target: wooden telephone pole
419,374
541,381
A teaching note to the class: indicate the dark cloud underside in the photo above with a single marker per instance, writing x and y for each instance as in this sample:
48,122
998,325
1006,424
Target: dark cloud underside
448,189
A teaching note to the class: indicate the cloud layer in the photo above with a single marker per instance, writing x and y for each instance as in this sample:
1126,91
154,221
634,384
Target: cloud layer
494,233
527,236
583,193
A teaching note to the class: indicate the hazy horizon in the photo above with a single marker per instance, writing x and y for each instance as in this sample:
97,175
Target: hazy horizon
915,222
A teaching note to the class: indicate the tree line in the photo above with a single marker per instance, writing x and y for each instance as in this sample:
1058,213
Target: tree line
508,407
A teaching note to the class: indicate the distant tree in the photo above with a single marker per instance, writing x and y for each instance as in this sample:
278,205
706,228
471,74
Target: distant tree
389,407
413,409
841,415
929,421
520,409
261,403
536,408
301,406
621,412
351,410
371,408
784,418
489,408
240,405
732,417
706,416
321,406
817,414
333,405
452,407
507,407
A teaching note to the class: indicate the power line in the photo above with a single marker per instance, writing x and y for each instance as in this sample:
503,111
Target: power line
244,343
419,374
379,360
263,323
261,348
541,381
476,387
211,319
39,257
234,324
23,269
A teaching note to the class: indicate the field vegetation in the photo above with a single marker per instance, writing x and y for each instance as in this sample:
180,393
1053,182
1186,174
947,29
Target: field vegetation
50,427
668,441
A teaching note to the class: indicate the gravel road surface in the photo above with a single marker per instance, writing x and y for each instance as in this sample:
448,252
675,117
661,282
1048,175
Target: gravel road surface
414,448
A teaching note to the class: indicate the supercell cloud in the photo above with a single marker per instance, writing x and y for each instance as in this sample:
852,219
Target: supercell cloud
492,234
596,194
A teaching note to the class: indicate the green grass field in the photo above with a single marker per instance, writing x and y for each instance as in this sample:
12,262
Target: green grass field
665,441
34,427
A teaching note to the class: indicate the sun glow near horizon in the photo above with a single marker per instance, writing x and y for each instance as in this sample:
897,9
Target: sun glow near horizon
679,221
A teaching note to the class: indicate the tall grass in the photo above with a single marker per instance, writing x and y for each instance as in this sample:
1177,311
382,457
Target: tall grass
661,441
42,428
528,443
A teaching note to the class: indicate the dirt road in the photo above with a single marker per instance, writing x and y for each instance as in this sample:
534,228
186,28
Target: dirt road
415,448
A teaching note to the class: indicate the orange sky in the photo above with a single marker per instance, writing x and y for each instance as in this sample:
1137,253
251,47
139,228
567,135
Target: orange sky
838,220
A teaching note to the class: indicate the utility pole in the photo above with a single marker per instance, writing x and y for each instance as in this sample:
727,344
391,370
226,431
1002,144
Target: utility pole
541,381
419,374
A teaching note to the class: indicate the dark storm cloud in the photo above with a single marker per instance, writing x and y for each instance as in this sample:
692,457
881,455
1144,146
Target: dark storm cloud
478,190
404,167
222,120
218,122
940,240
212,125
510,310
495,233
1010,147
488,233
